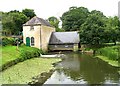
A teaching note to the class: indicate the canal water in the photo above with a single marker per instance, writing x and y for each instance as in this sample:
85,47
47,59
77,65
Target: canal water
76,68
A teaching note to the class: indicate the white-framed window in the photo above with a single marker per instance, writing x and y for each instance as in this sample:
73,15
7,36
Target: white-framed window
31,27
32,41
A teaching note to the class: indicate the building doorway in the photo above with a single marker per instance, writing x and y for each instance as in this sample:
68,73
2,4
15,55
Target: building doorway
27,41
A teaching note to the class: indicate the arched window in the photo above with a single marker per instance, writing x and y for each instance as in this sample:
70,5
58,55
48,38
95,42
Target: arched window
32,41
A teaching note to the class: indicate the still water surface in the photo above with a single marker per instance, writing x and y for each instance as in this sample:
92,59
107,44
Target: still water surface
83,69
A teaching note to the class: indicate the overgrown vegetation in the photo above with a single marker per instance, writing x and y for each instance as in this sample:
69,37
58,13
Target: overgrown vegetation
110,55
11,41
8,41
107,52
111,52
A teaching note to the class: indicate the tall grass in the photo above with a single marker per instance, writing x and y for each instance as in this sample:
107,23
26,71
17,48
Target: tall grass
113,53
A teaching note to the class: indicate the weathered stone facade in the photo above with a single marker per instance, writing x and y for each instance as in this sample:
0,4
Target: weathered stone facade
45,36
40,32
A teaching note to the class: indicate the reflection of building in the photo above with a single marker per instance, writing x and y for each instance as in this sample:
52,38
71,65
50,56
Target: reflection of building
39,33
70,62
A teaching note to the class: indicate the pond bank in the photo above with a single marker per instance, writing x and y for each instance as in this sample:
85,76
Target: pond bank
109,54
111,62
23,72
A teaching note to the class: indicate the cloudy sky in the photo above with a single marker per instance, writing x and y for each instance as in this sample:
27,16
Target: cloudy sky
47,8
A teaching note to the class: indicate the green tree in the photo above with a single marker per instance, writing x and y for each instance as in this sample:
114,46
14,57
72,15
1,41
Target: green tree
55,23
8,23
119,30
19,19
29,13
13,21
113,29
92,30
74,18
14,11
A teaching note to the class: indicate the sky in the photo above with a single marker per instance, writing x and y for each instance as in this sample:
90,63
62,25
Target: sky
47,8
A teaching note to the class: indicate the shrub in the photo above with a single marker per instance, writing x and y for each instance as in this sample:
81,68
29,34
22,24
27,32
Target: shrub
18,40
111,52
30,53
8,41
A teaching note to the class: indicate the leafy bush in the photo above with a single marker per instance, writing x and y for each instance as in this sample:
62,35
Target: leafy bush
8,41
111,52
30,53
20,41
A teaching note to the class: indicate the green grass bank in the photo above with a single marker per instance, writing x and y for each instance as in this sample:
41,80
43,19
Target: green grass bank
11,55
110,55
23,72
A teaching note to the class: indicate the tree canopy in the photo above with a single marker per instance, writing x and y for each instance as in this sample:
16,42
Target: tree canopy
29,13
12,21
55,23
74,18
92,30
94,27
112,30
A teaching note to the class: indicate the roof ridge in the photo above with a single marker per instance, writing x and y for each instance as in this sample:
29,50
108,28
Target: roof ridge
36,20
66,32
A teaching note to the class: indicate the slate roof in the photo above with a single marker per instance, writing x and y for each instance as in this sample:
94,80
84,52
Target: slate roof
64,37
36,21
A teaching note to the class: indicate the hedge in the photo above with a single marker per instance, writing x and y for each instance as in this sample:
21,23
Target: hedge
8,41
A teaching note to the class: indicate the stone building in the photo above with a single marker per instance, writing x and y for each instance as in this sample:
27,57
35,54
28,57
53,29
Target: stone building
37,32
40,34
64,41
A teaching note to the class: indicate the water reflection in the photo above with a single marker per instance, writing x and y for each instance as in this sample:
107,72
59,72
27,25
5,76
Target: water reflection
83,69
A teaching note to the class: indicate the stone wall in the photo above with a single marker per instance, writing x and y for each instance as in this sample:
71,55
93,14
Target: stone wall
32,33
75,47
41,35
61,47
45,36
